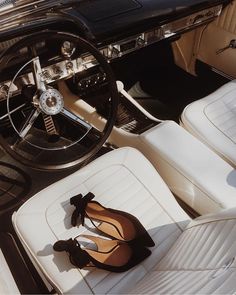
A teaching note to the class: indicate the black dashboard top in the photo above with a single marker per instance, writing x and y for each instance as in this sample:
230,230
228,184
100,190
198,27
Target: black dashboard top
105,18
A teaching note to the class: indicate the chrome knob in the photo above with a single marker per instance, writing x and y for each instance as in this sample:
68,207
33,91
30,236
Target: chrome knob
57,70
141,42
46,75
67,49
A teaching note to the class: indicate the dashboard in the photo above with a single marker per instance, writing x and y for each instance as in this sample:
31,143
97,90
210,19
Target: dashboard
112,51
116,30
39,116
158,33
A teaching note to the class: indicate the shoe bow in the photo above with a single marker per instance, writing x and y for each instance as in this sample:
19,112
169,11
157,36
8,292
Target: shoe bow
80,202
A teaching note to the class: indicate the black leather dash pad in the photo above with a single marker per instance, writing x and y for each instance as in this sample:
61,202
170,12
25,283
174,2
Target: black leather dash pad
96,10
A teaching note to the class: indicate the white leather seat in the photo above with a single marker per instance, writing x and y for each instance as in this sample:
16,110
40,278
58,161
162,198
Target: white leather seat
201,261
189,256
192,171
7,282
213,120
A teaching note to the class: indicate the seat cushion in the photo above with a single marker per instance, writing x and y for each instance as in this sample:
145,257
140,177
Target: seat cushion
122,179
213,120
193,172
202,261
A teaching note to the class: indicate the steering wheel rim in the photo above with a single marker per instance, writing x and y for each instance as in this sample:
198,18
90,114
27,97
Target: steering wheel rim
112,88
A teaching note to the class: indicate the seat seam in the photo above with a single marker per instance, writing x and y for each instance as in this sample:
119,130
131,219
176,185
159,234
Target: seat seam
210,221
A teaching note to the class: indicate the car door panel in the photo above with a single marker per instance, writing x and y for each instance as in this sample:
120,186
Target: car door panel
217,35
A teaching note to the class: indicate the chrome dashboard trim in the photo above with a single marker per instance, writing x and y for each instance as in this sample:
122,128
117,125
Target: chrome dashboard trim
17,13
159,33
59,71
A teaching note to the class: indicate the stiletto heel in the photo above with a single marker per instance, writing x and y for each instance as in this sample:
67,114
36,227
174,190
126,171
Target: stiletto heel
112,255
115,223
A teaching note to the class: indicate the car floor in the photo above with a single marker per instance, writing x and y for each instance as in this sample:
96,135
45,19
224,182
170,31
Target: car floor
169,88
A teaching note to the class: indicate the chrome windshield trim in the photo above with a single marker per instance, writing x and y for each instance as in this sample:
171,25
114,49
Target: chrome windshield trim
21,9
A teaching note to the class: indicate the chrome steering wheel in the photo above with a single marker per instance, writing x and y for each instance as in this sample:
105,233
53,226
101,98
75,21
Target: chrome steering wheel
47,134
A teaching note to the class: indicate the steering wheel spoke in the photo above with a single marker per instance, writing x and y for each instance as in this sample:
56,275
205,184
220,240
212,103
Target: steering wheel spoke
16,109
29,123
37,73
76,118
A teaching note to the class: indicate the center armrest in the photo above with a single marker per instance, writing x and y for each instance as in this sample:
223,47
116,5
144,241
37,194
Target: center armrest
192,171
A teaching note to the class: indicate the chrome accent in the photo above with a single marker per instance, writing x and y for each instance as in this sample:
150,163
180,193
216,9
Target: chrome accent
38,74
67,49
191,21
76,118
222,74
28,125
49,125
51,102
6,4
13,111
57,70
16,14
144,39
49,74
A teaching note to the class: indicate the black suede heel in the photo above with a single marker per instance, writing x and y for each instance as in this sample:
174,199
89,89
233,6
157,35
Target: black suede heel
115,223
118,257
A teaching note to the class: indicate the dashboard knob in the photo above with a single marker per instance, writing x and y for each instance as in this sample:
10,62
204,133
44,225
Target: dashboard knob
141,41
70,67
67,49
115,52
57,70
46,75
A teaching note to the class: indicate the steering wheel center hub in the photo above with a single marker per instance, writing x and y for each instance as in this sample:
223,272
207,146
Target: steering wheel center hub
51,102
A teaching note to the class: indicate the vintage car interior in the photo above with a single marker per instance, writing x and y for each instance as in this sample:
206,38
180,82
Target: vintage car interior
133,101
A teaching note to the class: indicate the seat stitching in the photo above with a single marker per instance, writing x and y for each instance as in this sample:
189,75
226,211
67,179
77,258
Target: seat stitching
187,285
204,243
155,199
210,221
205,113
186,253
216,241
225,282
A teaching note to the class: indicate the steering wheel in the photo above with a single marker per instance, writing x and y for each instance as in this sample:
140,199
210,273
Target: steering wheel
45,133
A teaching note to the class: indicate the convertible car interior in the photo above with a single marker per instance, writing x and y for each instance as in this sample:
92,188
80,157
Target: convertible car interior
118,147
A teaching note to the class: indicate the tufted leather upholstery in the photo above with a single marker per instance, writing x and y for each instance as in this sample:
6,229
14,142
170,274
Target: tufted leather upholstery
125,180
202,261
213,120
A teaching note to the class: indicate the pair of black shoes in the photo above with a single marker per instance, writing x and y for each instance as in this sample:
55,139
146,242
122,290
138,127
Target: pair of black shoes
126,248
